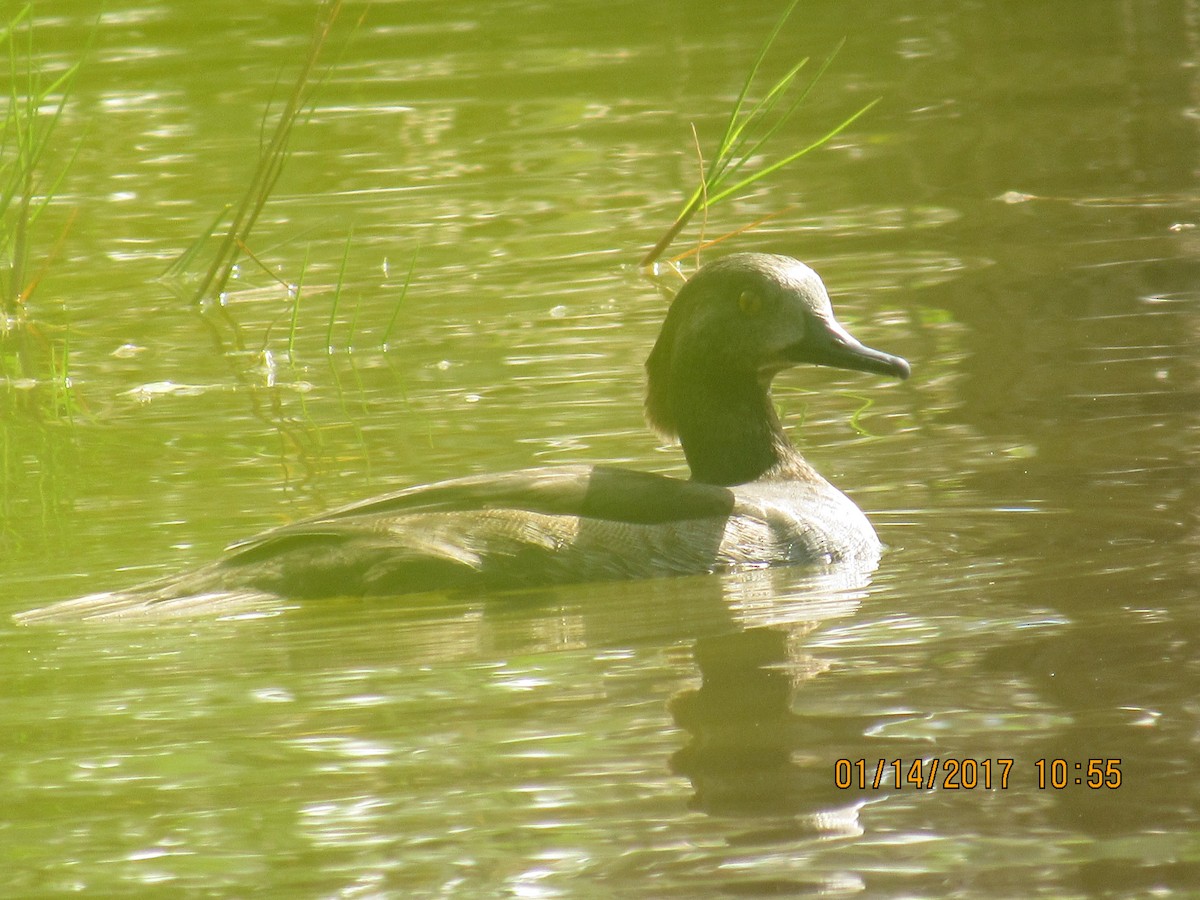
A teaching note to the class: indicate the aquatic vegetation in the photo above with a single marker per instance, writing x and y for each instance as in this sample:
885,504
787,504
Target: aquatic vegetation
234,223
37,396
234,237
749,128
30,178
25,187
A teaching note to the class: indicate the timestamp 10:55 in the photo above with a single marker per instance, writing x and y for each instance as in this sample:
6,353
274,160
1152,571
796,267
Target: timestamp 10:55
1094,773
969,774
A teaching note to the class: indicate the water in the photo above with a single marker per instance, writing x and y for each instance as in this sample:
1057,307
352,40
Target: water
1017,217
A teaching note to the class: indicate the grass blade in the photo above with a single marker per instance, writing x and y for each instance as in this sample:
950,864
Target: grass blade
751,126
271,160
731,127
387,334
337,293
291,347
184,260
16,20
787,160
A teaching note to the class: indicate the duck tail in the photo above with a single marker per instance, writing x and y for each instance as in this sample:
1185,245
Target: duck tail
161,599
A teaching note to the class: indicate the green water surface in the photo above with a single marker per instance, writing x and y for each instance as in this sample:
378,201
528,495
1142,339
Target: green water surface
1017,217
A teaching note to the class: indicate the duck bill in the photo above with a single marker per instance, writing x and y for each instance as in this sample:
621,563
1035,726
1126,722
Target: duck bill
837,348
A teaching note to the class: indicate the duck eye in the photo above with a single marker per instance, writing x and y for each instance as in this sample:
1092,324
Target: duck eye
749,303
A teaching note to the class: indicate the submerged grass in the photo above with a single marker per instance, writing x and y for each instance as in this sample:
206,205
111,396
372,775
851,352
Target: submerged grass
747,132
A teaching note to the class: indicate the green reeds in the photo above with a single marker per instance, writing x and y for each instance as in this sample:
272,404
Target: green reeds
26,188
746,133
272,159
31,174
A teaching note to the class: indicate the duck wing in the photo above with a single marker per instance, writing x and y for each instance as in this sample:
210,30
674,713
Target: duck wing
598,492
536,526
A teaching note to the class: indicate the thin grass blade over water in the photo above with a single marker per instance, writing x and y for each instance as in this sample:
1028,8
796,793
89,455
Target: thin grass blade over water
32,111
33,353
272,159
746,134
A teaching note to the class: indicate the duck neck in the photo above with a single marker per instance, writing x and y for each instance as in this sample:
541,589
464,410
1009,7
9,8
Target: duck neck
731,434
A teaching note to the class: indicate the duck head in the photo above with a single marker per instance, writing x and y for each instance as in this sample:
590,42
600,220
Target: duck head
732,328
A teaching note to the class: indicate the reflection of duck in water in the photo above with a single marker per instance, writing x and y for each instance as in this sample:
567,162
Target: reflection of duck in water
752,500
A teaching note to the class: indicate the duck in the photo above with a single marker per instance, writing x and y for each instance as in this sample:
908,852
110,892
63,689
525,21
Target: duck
752,499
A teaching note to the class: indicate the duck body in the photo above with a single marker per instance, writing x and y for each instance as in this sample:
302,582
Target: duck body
752,500
551,526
